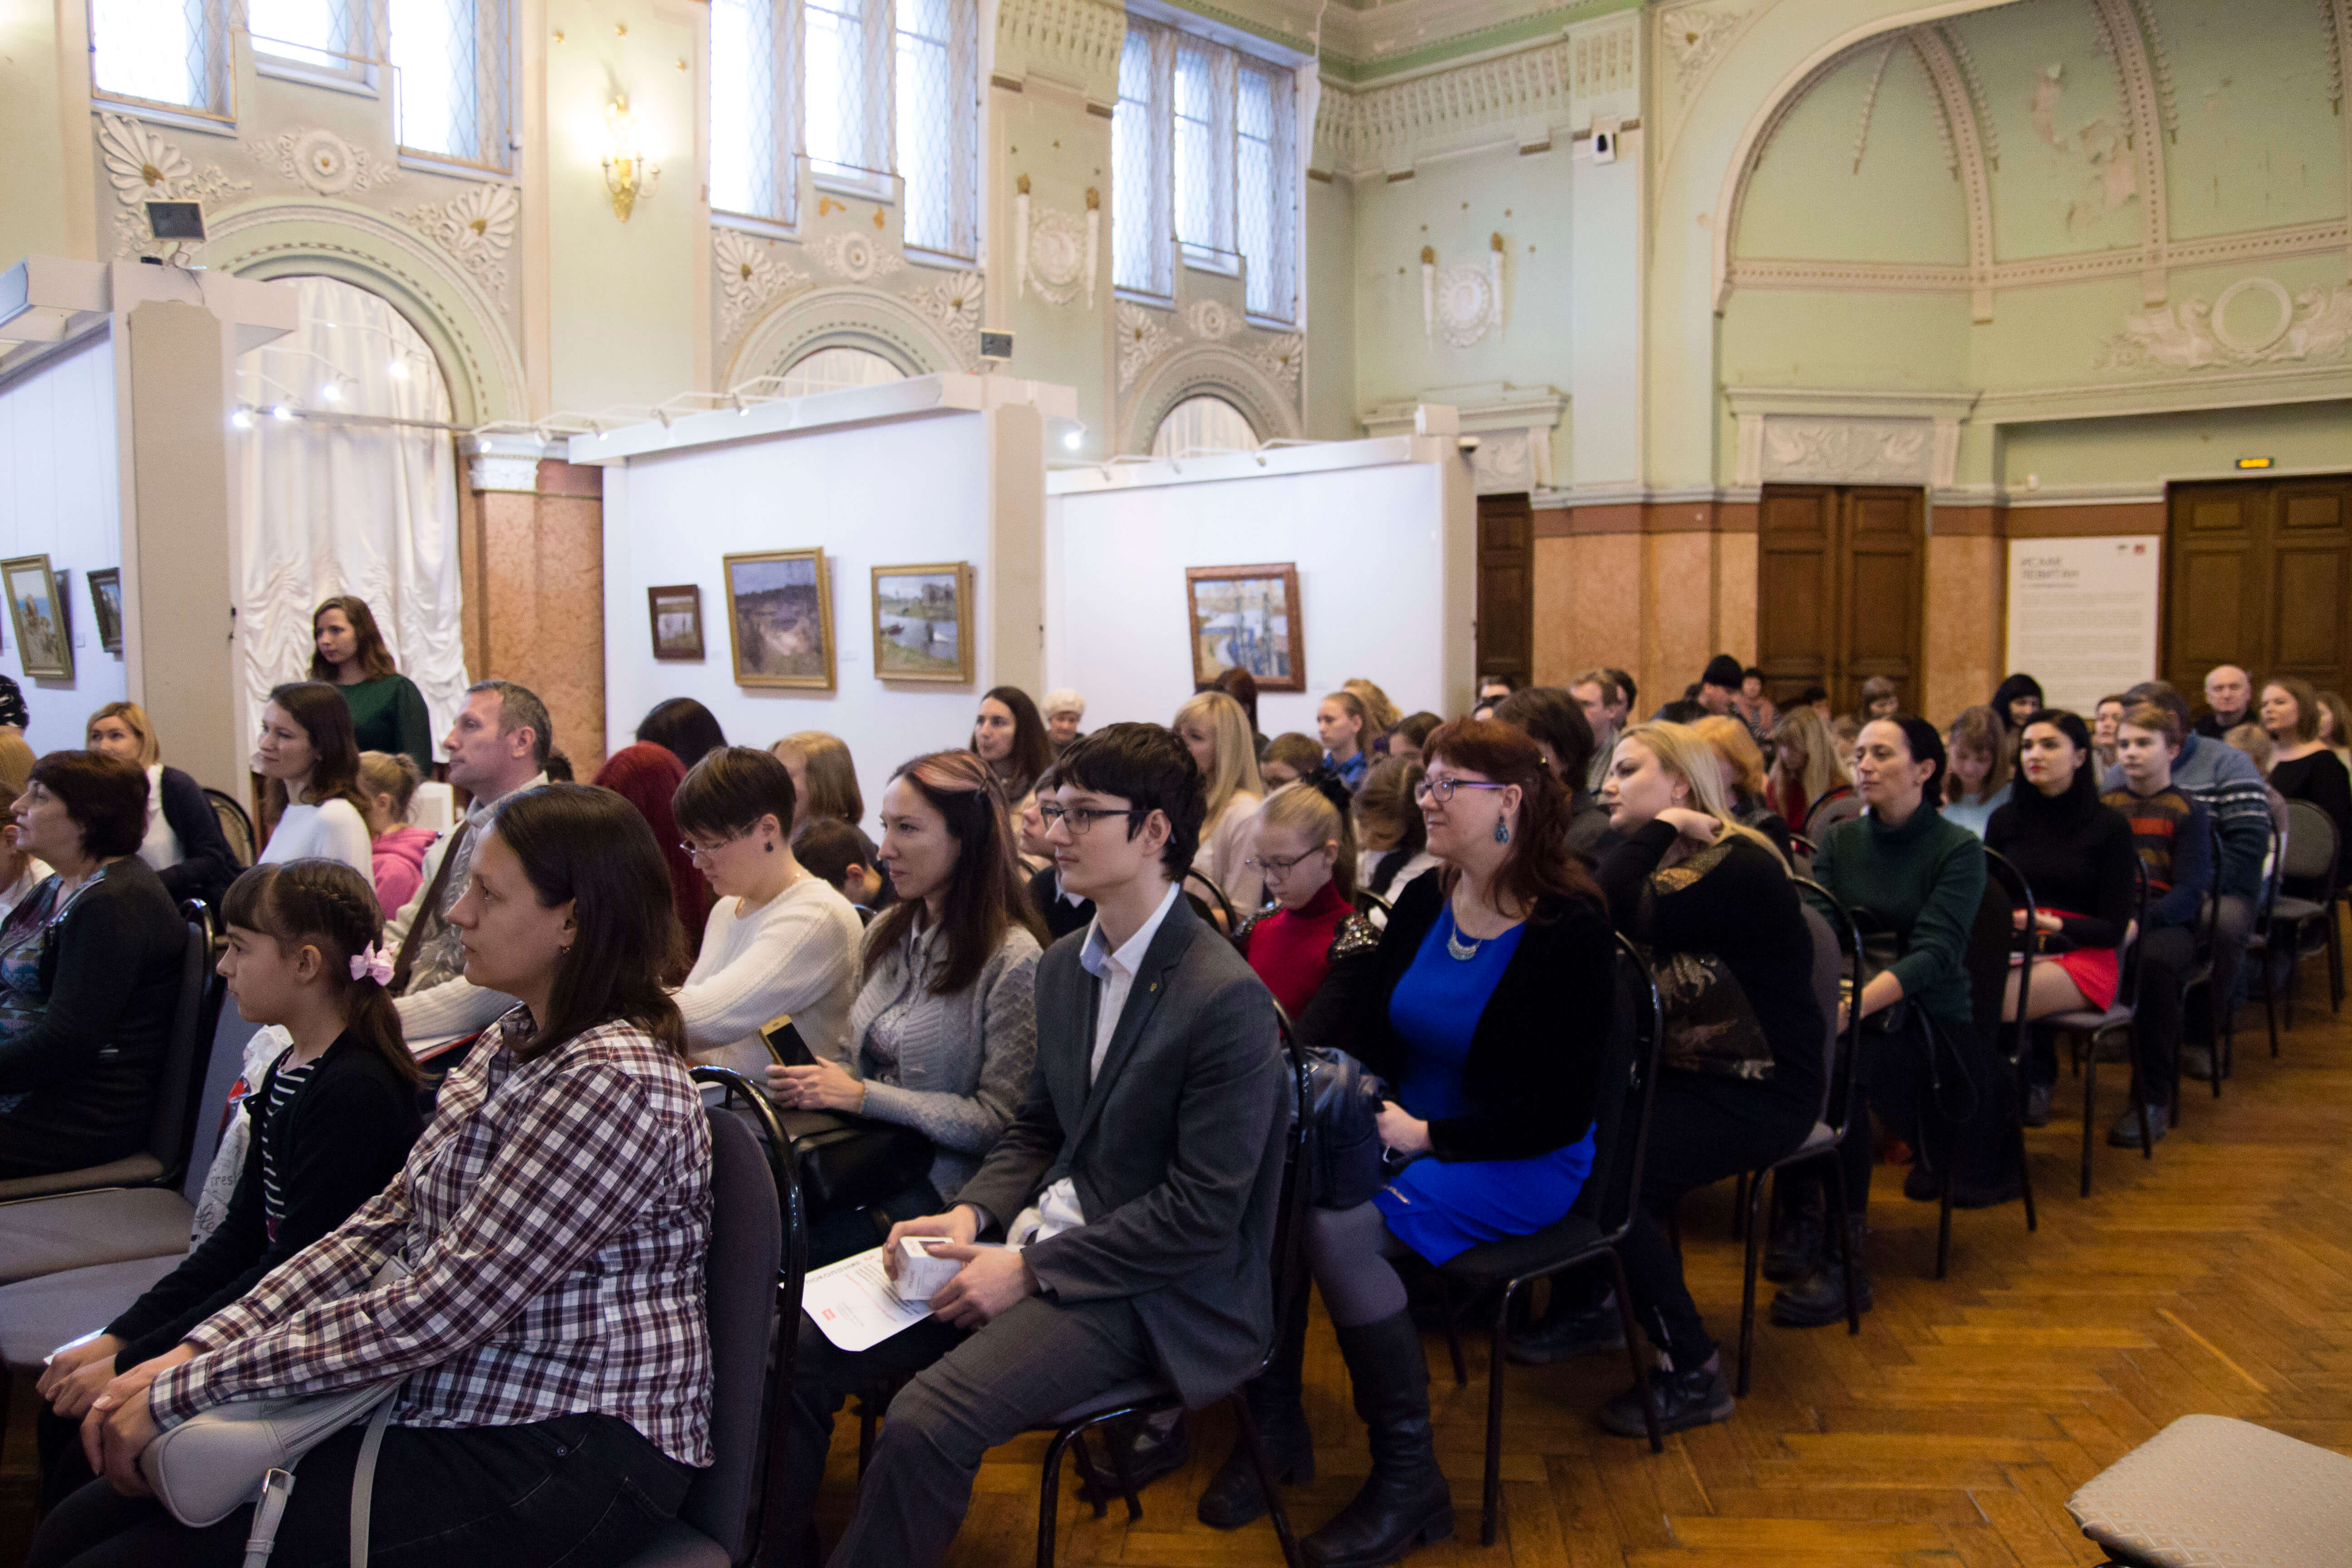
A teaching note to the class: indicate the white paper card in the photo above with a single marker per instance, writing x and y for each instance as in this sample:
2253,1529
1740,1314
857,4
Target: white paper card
853,1302
920,1275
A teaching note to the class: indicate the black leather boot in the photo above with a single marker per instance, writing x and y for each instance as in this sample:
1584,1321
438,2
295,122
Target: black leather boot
1684,1400
1405,1501
1796,1247
1820,1297
1232,1497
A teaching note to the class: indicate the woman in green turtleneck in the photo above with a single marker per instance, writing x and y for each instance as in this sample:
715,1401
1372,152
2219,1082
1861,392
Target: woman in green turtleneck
1923,879
387,710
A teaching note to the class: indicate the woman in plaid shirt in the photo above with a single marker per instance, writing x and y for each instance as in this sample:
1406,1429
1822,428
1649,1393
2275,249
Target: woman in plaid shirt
549,1340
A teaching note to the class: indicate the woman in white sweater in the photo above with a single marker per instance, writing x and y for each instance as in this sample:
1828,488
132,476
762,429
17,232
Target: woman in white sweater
312,759
780,939
1217,732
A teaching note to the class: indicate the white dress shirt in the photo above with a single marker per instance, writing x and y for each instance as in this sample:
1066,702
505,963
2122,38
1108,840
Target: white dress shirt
1057,1209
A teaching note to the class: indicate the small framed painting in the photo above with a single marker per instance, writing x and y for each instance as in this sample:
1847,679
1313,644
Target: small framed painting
106,604
780,618
1247,616
676,616
44,642
922,622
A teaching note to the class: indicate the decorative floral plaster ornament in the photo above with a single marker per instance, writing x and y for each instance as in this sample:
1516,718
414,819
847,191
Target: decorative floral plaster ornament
1210,319
322,161
1143,338
478,229
852,254
1465,303
751,277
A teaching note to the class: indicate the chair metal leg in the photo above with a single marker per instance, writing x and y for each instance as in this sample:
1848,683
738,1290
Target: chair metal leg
2335,962
1126,1479
1634,1351
1490,1498
2024,1167
1083,1455
1839,1213
1453,1333
1266,1481
1049,1497
1740,1205
1751,1194
2269,1015
2090,1094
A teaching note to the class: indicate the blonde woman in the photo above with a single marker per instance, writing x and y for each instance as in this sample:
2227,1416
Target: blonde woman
1217,732
1741,770
1382,715
183,844
1804,764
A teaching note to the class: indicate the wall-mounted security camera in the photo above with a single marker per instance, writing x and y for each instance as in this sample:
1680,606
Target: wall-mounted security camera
1604,146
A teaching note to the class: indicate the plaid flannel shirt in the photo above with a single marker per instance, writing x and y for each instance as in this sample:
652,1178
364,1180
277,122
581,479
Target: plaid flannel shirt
554,1216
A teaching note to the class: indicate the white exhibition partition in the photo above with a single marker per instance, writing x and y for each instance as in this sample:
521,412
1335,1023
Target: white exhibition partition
1383,532
932,469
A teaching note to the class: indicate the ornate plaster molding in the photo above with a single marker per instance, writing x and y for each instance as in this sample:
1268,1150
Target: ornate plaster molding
477,227
316,158
1930,278
1074,42
1967,156
913,334
1514,425
1225,370
2196,334
752,275
2339,19
1819,450
142,167
2136,80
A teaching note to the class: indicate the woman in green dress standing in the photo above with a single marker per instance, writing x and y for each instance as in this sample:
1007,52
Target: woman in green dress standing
387,710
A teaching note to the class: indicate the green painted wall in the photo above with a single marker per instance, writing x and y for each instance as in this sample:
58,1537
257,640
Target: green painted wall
2147,449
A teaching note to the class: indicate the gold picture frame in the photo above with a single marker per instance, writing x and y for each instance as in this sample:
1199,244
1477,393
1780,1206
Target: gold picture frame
1247,615
780,619
43,629
909,597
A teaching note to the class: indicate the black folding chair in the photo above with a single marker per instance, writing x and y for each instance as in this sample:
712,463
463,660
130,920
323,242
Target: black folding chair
2088,1028
1836,805
2258,954
1998,945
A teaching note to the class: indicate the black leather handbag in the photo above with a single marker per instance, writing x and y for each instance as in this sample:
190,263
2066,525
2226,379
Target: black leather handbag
849,1163
1344,1163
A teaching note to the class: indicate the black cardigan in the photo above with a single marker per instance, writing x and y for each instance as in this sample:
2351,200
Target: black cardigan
344,1136
206,864
1533,1073
2076,854
87,1070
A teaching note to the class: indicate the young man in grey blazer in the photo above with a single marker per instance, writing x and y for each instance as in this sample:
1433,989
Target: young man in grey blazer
1137,1184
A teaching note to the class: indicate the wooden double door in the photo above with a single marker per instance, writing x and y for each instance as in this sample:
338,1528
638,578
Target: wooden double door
1840,576
2259,574
1506,588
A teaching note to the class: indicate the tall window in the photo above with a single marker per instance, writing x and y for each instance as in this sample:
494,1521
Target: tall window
450,62
174,51
1204,149
864,89
327,38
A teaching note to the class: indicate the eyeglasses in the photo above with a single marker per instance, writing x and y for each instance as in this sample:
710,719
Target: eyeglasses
1441,789
1280,868
1080,819
710,851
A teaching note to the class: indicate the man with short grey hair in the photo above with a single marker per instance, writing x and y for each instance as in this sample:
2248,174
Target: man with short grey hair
2230,696
498,746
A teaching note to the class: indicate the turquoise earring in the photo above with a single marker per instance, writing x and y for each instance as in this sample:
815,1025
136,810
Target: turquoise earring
1502,831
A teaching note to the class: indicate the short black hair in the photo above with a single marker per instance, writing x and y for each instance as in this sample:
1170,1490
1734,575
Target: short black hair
1811,695
1926,746
1683,711
1150,768
1549,715
1751,673
687,729
104,796
1625,684
828,847
730,789
1723,670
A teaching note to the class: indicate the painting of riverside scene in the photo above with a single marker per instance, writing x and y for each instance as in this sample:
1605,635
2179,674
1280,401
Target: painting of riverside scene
922,622
780,618
1247,616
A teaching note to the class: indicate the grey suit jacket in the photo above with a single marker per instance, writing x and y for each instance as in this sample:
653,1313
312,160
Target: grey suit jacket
1176,1151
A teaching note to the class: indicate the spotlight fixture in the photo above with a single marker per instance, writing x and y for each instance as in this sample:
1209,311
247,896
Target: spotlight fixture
1073,440
241,417
333,392
397,368
282,412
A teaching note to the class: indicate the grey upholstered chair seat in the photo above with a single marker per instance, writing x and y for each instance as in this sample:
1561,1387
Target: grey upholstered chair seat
130,1171
36,1316
2212,1492
82,1230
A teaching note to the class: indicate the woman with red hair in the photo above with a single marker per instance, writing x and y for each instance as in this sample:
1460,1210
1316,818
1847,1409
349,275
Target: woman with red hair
646,775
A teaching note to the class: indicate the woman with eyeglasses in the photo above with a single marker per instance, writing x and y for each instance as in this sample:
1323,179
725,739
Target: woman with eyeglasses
780,939
944,1030
1487,1009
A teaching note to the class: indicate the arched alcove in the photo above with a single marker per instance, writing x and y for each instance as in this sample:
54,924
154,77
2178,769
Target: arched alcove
882,325
837,368
1204,422
1212,370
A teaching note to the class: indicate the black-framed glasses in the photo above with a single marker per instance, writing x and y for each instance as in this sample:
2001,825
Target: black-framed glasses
1442,788
1080,819
1273,868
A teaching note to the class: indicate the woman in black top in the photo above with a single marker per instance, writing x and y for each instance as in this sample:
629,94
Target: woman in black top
2304,768
2016,700
2077,855
331,1122
1686,877
184,843
90,972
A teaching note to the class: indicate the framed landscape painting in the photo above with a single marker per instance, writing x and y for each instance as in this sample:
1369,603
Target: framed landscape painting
105,602
780,618
1247,616
922,622
44,642
676,615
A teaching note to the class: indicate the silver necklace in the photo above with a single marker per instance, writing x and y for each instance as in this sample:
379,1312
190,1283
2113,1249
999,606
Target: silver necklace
1457,948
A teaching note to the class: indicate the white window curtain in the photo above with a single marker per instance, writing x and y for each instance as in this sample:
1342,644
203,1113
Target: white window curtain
332,508
1204,424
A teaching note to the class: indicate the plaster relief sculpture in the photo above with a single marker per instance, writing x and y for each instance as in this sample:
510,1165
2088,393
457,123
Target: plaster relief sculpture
1694,37
1846,451
751,277
1469,298
952,305
1211,319
1060,259
1279,358
857,257
1143,337
142,167
2253,321
478,229
322,161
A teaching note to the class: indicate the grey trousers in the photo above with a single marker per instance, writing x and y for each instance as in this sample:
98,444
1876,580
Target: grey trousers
972,1391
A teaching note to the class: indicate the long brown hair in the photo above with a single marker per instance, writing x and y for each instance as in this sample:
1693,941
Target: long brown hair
1539,864
368,645
326,719
1981,730
987,895
329,906
590,847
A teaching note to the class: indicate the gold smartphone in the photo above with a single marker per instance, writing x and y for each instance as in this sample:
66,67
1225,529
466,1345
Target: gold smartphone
783,1041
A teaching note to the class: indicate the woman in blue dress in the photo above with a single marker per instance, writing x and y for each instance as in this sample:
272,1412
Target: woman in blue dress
1487,1013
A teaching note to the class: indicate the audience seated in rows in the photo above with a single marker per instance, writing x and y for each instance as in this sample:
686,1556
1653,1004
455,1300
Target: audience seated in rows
1344,725
347,653
1742,767
1217,732
553,1217
2105,715
2172,835
329,1122
834,850
313,803
2229,701
1555,721
2302,766
2016,700
184,844
1289,758
1010,737
943,1032
1983,761
1719,684
1241,686
1755,709
684,728
1804,764
1412,732
1381,714
1881,698
90,972
396,847
1606,701
646,775
2335,726
1393,839
21,872
15,756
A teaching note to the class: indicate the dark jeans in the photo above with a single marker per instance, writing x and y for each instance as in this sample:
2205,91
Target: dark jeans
852,1231
578,1491
2165,957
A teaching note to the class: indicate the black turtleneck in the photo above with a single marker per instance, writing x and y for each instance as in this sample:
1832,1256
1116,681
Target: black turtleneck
2077,855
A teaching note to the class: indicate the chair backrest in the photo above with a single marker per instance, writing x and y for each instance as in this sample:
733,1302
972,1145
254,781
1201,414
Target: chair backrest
173,1127
2310,842
1837,953
235,824
1291,1276
1840,805
752,1276
1233,919
1368,902
1994,941
2128,986
1629,1082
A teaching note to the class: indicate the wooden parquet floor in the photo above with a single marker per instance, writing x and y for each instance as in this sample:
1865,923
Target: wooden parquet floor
1948,1434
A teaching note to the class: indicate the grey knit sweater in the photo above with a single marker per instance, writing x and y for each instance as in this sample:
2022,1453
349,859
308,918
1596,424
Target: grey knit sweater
954,1068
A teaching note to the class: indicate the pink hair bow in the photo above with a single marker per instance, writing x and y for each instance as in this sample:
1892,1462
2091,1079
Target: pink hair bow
374,964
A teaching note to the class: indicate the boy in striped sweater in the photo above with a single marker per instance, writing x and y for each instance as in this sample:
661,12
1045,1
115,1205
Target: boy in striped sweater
2170,831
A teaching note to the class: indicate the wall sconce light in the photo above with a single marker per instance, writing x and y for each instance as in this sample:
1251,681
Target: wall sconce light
628,173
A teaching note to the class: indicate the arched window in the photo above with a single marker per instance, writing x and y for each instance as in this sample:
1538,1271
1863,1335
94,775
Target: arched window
831,370
1204,424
